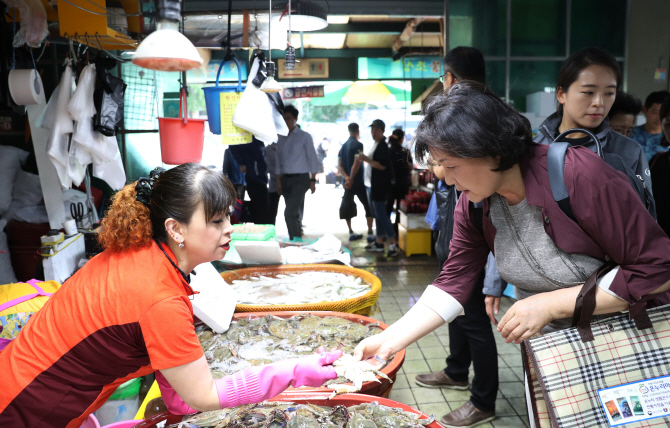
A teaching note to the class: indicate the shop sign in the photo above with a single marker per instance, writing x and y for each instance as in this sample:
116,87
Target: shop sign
230,133
415,67
228,73
636,401
307,68
303,92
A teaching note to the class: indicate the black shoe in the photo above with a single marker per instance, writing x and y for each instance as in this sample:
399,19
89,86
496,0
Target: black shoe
355,237
393,250
373,246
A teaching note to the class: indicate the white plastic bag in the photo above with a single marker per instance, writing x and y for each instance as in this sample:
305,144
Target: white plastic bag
111,172
57,146
254,111
33,22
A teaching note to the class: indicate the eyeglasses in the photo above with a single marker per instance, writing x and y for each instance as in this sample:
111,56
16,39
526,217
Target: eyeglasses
442,77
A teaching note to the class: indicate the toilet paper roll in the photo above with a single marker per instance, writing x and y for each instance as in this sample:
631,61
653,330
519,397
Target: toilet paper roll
25,86
70,227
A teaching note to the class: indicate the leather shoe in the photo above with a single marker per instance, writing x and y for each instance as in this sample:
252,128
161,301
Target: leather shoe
466,416
439,380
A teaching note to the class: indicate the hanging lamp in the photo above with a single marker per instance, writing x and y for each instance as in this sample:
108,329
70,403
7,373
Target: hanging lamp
270,85
166,49
309,16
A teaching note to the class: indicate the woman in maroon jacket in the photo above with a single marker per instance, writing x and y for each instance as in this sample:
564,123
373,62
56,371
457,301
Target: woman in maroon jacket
486,150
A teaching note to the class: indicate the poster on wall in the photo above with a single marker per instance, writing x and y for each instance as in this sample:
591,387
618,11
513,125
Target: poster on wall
230,133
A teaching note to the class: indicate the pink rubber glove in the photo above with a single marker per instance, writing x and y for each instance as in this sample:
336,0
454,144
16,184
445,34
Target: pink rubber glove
173,402
256,384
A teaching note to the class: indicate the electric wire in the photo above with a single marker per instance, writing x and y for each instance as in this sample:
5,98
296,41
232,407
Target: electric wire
102,14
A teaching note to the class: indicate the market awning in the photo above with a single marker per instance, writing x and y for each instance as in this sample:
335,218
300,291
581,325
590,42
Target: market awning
361,92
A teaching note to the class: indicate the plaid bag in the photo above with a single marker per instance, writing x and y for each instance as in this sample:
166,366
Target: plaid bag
565,369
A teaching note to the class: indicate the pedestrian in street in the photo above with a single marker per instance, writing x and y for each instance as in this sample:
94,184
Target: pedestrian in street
623,113
251,158
296,169
401,167
378,183
650,134
471,340
354,185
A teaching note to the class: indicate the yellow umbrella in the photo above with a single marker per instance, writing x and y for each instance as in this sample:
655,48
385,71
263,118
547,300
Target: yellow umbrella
368,92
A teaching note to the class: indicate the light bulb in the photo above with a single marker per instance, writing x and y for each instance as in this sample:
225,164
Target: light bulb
270,85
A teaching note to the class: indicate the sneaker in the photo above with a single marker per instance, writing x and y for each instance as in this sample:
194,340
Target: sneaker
371,238
355,237
393,250
373,246
466,416
439,380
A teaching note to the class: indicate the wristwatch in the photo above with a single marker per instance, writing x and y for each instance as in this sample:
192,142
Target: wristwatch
313,180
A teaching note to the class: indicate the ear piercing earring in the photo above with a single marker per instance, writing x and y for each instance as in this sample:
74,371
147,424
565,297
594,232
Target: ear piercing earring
181,245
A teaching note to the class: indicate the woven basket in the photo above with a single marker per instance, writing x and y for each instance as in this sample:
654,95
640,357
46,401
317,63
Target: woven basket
358,305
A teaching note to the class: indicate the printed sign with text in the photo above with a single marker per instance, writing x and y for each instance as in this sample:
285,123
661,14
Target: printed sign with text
636,401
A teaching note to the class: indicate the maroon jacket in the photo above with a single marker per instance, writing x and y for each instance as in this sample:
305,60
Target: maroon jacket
613,224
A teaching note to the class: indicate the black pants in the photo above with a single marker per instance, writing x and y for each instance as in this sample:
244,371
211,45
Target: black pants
471,341
294,187
260,202
273,207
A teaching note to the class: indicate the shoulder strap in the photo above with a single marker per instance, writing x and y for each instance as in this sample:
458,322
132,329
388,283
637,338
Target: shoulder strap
556,169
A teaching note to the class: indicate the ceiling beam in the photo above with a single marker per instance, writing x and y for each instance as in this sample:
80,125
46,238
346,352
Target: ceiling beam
433,8
382,28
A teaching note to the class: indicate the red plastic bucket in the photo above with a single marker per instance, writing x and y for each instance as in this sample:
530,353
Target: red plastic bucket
181,138
308,398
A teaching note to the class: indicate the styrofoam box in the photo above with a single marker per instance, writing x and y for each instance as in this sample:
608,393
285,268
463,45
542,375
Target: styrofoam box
414,221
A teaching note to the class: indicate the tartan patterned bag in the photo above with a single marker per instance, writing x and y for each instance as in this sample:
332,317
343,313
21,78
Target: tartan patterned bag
565,369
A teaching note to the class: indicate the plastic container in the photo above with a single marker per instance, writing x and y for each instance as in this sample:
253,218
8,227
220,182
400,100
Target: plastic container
377,389
213,100
311,398
181,138
413,221
91,422
268,234
124,424
122,405
356,305
415,241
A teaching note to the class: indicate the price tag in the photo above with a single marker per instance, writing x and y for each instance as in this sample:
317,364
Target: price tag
636,401
230,133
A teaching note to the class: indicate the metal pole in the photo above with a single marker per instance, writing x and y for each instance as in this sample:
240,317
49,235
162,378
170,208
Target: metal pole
568,25
508,49
626,46
446,26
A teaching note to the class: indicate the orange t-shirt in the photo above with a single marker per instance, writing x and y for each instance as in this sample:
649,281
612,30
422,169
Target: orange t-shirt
121,316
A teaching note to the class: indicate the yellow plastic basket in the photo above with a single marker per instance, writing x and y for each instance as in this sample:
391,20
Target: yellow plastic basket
358,305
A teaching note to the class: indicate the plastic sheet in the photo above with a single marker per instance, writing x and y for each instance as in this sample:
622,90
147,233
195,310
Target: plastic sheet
33,22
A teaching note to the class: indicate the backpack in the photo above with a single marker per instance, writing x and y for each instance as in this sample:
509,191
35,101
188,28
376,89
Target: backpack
556,169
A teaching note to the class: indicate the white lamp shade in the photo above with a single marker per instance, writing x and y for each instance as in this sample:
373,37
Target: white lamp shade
167,50
307,23
270,85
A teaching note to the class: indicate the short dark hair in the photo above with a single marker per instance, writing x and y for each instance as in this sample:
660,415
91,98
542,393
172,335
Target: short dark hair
625,103
353,127
582,59
466,63
459,123
665,108
398,133
290,109
656,98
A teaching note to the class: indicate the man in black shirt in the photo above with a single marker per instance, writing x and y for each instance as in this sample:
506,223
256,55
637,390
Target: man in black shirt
354,185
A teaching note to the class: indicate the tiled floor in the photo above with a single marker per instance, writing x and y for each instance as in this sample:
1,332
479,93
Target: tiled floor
401,287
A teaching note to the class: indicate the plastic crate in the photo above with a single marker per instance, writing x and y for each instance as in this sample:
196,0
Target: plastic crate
265,236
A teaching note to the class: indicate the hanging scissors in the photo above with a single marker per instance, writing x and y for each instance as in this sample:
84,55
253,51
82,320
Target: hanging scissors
77,212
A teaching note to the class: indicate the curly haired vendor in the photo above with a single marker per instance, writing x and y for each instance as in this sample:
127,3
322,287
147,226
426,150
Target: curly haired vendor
127,313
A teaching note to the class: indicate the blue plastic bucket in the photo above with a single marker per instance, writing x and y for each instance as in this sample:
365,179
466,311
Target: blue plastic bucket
213,100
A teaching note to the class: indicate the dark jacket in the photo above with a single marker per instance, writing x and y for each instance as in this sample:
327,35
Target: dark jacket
612,222
660,174
252,155
630,151
400,166
380,180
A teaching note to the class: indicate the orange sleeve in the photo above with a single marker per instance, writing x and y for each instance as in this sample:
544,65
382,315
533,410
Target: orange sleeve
169,335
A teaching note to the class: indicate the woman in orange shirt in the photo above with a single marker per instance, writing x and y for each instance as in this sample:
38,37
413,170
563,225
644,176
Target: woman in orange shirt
127,313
